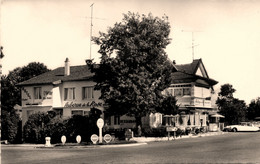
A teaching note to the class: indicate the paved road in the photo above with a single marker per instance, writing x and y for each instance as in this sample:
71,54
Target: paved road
226,148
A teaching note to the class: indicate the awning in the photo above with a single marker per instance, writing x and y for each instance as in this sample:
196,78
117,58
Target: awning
217,115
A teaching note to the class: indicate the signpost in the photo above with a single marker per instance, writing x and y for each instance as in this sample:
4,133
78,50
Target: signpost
171,129
107,138
78,139
100,124
94,138
63,139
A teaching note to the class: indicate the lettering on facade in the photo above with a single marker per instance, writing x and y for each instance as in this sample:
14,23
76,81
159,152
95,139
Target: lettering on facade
89,104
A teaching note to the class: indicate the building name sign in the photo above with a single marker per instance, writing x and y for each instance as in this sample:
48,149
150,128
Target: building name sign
88,104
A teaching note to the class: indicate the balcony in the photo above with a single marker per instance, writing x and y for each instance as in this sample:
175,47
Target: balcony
194,102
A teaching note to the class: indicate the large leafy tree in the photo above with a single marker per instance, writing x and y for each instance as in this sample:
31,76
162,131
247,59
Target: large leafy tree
168,105
11,95
134,66
253,109
232,108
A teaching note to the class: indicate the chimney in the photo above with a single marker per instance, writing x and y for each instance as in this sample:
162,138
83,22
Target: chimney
67,67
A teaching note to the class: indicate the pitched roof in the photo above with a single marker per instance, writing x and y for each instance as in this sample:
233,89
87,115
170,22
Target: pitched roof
187,73
77,73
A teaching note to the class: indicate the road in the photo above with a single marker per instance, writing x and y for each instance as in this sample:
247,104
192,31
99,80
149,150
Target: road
226,148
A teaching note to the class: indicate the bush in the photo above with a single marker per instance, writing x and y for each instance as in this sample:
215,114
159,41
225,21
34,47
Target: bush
41,125
118,133
10,124
155,132
77,125
34,128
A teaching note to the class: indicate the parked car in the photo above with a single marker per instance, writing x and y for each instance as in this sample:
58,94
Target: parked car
242,127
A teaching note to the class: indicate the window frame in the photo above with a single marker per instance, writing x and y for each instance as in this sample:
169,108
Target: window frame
86,95
67,92
39,95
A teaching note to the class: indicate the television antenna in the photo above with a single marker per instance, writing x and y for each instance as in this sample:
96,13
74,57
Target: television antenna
91,28
192,42
91,25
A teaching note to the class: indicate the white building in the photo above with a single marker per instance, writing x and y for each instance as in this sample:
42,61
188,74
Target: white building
70,90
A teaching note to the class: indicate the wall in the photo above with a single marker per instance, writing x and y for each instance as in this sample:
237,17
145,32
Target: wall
28,98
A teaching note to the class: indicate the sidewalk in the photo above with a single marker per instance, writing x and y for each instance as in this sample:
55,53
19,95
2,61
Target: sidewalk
152,139
139,140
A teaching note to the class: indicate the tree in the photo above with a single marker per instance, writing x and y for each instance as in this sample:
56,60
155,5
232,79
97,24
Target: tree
11,95
134,67
168,105
253,109
232,108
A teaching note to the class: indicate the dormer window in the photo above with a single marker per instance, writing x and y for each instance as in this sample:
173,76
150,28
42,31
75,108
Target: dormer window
37,92
69,93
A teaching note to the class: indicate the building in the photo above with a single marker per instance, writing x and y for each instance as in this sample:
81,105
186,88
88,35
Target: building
66,90
69,90
193,89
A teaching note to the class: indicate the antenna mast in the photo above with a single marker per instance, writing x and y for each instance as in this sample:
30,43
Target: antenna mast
192,42
91,29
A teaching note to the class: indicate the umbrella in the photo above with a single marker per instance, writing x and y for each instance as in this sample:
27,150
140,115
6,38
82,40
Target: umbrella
218,115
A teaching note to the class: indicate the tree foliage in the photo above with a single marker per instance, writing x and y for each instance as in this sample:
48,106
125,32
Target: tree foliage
42,124
134,67
168,105
11,95
35,129
253,109
232,108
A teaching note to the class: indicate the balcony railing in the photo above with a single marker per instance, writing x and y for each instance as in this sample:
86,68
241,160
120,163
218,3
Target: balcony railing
194,101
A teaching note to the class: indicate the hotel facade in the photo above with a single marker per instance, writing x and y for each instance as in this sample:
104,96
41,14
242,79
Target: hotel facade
69,91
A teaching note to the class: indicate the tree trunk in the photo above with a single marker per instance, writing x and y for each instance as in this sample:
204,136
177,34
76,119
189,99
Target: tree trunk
138,121
139,126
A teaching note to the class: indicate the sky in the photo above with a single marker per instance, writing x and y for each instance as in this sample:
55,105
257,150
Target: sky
226,34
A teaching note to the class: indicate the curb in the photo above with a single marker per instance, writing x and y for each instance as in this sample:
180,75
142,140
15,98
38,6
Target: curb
92,146
157,139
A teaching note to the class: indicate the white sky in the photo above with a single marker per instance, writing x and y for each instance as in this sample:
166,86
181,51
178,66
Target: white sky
227,33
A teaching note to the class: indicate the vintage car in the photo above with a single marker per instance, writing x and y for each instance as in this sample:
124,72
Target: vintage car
242,127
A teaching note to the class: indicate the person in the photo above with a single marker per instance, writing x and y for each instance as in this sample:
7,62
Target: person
128,134
139,131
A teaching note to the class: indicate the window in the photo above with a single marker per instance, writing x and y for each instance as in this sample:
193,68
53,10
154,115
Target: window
186,91
37,93
178,92
77,112
87,93
116,120
69,93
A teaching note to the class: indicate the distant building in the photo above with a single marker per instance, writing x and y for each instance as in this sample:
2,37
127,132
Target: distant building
193,89
69,90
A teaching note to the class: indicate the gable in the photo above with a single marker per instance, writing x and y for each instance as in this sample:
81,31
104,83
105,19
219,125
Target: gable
201,71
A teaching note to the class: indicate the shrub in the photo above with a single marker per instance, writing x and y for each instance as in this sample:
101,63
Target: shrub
41,125
155,132
10,127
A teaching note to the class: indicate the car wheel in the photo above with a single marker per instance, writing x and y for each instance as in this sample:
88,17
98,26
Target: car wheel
234,130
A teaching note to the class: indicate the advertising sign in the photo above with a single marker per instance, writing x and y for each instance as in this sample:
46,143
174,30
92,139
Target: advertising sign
78,138
100,123
171,129
63,139
94,138
107,138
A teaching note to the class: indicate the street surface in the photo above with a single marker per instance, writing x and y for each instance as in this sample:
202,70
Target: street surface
226,148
